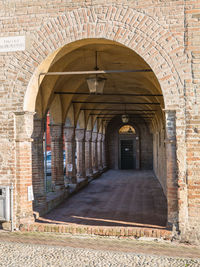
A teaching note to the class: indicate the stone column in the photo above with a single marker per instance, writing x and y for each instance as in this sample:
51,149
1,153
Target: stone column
80,139
57,169
23,190
137,141
88,153
94,152
100,164
171,168
104,161
39,189
70,147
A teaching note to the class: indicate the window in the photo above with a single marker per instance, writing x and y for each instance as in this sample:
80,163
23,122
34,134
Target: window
127,129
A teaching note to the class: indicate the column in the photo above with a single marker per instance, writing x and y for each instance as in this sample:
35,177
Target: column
70,147
99,138
88,153
137,141
39,189
57,169
80,139
24,189
94,152
104,162
171,168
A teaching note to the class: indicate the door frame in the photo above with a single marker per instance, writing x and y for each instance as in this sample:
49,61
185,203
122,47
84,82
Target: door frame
136,140
120,151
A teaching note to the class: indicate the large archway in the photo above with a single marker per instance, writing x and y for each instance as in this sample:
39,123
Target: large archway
77,112
131,42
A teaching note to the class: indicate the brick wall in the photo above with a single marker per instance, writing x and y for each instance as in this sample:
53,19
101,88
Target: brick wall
145,144
165,33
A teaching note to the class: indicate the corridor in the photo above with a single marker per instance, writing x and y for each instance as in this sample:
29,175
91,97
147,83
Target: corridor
118,198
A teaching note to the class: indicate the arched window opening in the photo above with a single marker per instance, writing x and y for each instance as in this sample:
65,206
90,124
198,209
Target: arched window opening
127,129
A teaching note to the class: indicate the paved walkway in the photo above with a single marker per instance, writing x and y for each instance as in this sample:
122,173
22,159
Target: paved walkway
117,198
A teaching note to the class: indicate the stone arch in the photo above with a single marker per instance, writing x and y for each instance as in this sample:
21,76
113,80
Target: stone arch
56,110
124,25
81,120
70,120
95,126
137,31
89,123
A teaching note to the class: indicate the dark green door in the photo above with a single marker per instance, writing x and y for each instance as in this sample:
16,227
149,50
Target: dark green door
127,158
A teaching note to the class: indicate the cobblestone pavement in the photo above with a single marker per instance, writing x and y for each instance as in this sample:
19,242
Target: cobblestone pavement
61,250
15,254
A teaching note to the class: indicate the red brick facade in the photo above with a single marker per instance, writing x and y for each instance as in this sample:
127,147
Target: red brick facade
166,34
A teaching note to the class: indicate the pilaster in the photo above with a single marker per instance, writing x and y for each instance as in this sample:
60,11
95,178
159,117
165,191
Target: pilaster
88,153
104,161
23,132
171,168
100,164
94,152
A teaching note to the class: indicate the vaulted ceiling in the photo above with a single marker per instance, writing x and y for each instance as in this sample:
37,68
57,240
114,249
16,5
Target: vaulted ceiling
120,89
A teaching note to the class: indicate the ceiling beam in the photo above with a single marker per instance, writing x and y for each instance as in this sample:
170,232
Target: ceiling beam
118,114
106,94
132,120
103,117
91,72
117,103
137,110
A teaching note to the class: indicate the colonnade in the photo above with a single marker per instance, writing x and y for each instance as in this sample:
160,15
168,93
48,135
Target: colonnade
90,149
85,157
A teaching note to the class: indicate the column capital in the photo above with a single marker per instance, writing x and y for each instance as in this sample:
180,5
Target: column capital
172,111
170,116
38,130
99,137
23,126
69,133
80,134
94,136
56,130
88,136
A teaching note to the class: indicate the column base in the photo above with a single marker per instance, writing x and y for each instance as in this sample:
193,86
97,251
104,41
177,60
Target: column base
57,188
172,226
40,200
20,220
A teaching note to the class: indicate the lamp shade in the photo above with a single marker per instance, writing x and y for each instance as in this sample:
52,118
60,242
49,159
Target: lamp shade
125,118
96,84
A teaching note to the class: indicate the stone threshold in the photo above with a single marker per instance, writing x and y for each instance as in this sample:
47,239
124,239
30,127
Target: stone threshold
74,229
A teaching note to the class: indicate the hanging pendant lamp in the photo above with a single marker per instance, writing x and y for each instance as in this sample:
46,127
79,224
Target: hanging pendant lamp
96,83
125,117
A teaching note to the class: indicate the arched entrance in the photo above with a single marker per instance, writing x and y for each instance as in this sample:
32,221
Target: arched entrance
120,51
128,149
80,119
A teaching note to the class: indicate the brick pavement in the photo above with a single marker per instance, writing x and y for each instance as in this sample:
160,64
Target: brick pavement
117,198
119,203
